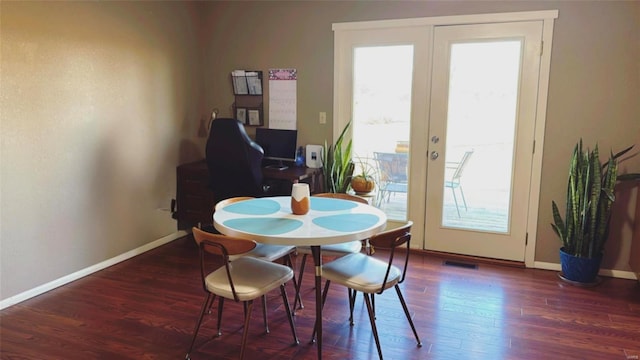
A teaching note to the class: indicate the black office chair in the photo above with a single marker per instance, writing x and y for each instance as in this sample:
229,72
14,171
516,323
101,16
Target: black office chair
234,161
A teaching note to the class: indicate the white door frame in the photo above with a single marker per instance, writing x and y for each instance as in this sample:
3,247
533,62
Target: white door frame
342,102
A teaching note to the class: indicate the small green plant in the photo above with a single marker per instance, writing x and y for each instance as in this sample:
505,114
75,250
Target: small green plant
365,170
337,166
590,194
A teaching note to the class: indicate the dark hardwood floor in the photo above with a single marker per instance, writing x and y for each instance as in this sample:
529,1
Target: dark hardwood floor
146,308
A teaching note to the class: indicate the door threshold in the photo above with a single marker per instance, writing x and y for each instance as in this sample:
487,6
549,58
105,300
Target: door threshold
468,259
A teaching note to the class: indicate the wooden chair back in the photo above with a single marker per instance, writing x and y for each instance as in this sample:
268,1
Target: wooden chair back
342,196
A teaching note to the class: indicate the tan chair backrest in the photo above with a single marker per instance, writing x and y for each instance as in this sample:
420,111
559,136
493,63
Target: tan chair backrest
220,246
232,245
342,196
392,238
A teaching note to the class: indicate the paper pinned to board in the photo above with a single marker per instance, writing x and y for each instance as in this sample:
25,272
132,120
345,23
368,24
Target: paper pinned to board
239,82
282,98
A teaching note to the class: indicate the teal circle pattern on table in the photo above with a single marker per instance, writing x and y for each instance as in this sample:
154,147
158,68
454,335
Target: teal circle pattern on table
257,207
347,222
330,204
264,225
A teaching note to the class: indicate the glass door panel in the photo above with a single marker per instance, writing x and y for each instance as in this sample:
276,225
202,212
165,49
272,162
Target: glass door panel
382,80
481,118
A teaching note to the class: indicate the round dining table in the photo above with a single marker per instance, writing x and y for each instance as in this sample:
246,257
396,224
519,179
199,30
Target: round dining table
270,220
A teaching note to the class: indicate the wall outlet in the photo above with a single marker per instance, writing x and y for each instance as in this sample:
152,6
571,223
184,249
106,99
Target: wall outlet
323,117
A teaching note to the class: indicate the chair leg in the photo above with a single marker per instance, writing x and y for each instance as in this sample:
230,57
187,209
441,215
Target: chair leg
324,298
285,300
220,305
352,302
211,301
373,305
198,323
296,287
248,307
406,312
464,201
298,299
373,323
264,313
455,200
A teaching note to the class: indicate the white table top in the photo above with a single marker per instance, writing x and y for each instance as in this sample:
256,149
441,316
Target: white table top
329,221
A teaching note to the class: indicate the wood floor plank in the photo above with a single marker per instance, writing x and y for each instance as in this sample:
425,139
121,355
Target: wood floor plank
146,308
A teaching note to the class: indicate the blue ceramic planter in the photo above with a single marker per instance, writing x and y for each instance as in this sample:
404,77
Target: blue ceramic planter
579,269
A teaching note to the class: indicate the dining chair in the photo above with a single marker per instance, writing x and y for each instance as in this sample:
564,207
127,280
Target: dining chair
335,250
242,280
372,276
267,252
453,182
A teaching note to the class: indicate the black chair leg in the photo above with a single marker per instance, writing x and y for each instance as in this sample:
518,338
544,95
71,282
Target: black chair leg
248,307
373,323
298,299
285,300
324,298
373,305
352,302
211,301
296,285
406,312
220,305
198,323
264,313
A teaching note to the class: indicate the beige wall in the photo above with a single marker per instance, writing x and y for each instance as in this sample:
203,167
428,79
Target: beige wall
96,101
100,101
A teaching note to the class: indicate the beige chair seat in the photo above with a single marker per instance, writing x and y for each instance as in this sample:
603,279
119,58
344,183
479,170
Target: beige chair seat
335,249
251,278
266,252
361,272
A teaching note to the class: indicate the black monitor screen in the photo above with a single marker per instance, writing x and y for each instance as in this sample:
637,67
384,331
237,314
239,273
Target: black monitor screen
277,144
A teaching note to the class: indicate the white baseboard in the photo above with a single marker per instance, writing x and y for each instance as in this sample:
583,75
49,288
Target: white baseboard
89,270
621,274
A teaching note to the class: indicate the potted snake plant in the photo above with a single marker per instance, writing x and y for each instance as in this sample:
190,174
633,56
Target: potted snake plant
337,165
585,227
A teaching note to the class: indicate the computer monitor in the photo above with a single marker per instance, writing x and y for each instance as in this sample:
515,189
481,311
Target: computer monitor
279,145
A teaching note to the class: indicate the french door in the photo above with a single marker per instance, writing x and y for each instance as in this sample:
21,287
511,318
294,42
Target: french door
474,106
483,111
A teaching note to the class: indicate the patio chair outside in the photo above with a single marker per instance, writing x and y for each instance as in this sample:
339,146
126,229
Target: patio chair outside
454,181
393,174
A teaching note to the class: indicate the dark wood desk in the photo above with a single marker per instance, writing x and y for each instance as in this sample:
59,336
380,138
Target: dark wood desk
292,175
194,200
